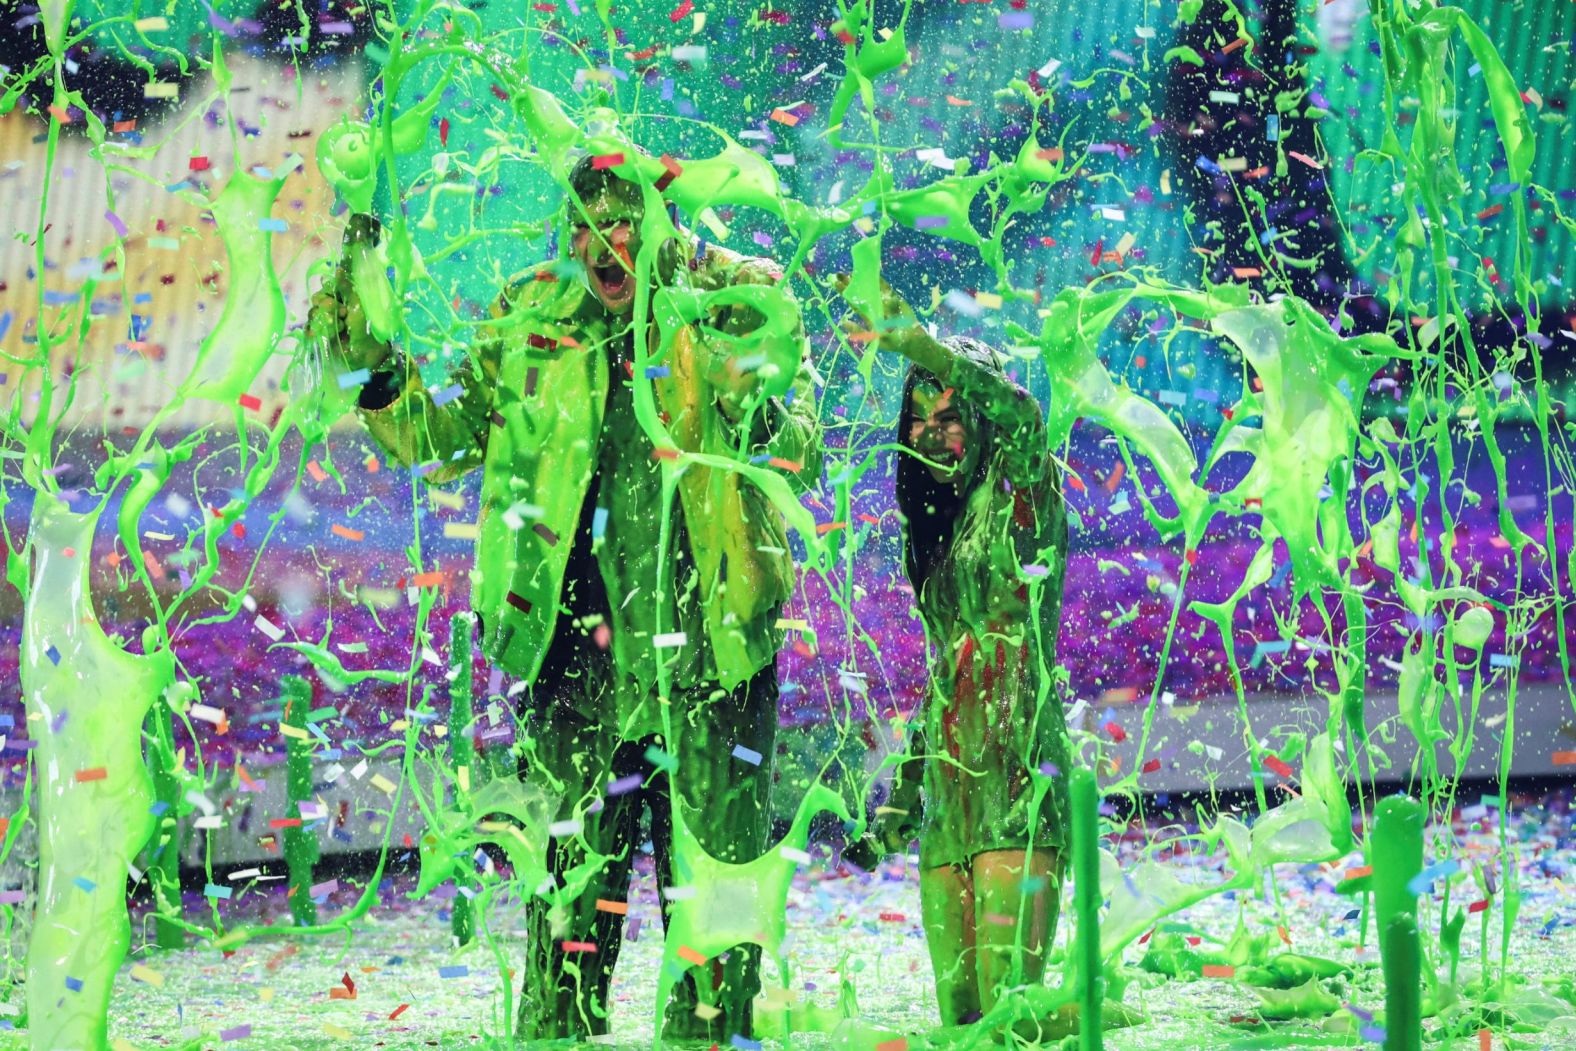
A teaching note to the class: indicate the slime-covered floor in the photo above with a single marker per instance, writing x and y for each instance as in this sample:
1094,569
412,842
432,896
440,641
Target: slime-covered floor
855,943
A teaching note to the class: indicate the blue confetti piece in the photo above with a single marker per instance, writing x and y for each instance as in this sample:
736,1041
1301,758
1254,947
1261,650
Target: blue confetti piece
158,809
1281,573
213,890
1423,882
598,523
84,884
447,394
748,755
53,655
5,323
657,372
354,379
1266,649
458,970
276,226
1502,660
74,984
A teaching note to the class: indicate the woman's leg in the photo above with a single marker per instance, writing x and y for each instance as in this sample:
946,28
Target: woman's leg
998,877
946,899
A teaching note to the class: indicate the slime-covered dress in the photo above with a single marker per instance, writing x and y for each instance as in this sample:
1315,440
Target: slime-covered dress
996,747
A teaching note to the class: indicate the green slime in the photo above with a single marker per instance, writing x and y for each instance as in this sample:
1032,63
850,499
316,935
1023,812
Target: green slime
1309,431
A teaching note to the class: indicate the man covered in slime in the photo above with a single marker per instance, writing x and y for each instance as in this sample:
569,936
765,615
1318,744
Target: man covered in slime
568,590
985,545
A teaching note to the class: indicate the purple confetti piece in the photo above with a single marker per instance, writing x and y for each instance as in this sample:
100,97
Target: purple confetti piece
625,784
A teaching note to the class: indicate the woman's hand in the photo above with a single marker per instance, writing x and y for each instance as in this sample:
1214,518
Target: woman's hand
898,329
894,329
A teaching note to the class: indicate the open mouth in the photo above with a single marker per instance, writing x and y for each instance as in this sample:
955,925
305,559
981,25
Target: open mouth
613,282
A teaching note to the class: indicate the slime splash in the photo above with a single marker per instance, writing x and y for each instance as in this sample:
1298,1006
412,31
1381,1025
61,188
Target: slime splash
1347,521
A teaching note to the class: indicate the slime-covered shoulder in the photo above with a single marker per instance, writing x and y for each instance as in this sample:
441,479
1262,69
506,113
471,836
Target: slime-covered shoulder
450,428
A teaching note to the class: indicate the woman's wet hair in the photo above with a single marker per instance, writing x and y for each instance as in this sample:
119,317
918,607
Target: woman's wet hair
930,508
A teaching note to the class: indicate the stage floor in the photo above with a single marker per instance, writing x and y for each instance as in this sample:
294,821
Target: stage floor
860,929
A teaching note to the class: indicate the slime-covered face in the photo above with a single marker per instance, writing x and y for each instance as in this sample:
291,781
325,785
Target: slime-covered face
937,431
609,243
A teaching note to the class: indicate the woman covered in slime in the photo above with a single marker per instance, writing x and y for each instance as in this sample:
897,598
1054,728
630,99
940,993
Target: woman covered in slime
985,544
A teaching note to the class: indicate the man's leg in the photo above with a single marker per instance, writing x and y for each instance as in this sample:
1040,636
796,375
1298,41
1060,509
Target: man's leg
573,944
727,805
946,904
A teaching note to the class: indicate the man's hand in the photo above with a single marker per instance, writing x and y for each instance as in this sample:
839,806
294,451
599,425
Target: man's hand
338,323
762,340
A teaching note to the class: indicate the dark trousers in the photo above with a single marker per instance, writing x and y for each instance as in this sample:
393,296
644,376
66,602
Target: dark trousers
725,802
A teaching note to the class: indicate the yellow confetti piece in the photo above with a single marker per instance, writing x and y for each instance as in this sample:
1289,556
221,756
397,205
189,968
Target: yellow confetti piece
338,1032
161,90
712,222
461,530
989,300
383,784
139,973
294,731
792,624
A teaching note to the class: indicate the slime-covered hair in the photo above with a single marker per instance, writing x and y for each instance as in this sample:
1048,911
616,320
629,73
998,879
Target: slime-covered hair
930,508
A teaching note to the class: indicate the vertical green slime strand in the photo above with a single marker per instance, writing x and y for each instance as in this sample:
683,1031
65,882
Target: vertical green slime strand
253,316
1395,850
1403,965
1086,894
82,692
462,752
164,851
301,850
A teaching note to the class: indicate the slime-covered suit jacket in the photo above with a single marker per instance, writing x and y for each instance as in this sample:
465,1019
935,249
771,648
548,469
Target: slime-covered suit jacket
527,407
